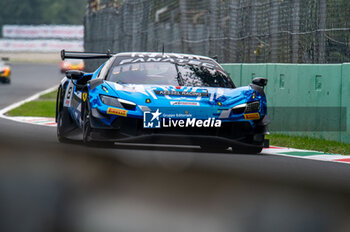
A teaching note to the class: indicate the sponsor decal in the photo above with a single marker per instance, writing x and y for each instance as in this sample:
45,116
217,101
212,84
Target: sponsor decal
181,93
40,45
44,31
186,114
84,96
191,122
116,111
252,116
181,103
153,120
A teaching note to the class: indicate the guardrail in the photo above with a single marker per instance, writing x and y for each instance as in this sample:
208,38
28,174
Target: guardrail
303,99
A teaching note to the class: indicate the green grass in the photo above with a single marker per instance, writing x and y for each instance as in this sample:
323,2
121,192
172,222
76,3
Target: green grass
41,108
45,106
49,96
309,144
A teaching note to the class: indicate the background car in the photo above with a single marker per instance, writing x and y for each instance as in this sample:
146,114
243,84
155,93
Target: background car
5,71
71,64
164,99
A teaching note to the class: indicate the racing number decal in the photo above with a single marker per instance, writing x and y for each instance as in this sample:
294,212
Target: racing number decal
68,96
69,93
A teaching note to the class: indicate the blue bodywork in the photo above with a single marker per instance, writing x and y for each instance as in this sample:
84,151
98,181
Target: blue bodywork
231,106
218,100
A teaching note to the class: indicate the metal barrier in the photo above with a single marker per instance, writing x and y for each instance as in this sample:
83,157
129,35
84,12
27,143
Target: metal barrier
303,99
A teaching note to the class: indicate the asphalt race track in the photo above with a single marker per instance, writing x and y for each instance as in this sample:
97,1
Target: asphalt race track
47,186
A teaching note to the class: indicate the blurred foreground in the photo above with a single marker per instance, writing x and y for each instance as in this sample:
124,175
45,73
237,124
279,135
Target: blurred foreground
55,187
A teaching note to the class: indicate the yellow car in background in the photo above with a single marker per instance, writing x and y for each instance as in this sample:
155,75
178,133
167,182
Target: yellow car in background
70,64
5,71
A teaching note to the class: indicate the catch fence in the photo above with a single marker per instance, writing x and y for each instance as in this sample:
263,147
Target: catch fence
245,31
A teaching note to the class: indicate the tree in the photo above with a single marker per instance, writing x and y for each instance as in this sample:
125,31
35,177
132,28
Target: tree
42,12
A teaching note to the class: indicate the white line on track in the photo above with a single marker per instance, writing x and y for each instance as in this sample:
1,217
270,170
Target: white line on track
17,104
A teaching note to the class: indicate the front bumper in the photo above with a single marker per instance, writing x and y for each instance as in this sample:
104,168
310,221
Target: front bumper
130,130
173,139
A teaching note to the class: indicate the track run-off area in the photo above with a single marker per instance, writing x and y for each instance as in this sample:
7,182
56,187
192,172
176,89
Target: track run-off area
272,150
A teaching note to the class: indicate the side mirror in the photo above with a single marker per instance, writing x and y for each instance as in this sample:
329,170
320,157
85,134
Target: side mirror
260,81
216,58
74,74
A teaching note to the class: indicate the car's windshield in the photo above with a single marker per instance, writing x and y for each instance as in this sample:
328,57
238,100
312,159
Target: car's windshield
168,73
162,73
194,75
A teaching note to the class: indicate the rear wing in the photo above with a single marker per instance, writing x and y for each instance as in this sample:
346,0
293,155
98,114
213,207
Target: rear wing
85,55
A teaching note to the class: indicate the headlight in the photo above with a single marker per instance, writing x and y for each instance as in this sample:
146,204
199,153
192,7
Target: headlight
252,107
111,101
117,102
246,107
239,109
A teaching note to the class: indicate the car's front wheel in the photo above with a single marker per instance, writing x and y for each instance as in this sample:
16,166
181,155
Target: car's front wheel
62,116
249,150
86,124
64,121
87,131
215,148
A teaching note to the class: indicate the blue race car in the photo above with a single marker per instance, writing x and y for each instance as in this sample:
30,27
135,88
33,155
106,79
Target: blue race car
161,98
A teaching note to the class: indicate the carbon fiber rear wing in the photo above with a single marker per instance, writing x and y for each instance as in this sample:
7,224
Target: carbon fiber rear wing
84,55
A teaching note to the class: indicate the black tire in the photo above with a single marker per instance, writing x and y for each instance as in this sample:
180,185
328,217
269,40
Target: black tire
85,113
87,129
208,148
250,150
87,138
65,123
62,116
7,81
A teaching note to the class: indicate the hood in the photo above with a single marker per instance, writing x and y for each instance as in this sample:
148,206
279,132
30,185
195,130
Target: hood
208,99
